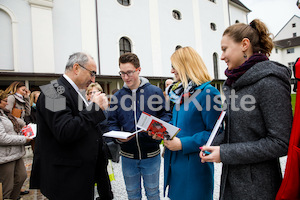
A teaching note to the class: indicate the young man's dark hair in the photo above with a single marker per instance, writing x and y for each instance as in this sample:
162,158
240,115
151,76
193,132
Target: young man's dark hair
130,58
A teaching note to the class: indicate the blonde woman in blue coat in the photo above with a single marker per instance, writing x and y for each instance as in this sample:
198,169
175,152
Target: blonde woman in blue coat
197,108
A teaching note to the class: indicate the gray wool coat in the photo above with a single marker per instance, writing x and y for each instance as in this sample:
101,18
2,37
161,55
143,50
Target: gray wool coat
257,132
11,143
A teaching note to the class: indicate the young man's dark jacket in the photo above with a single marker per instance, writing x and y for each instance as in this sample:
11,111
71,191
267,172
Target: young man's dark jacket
123,117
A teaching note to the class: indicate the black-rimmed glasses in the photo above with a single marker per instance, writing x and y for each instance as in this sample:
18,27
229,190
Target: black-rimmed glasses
93,73
129,73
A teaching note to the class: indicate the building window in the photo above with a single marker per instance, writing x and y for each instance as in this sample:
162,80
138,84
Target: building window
125,45
213,26
214,1
124,2
294,25
276,50
237,21
178,47
291,50
215,60
291,65
294,34
176,14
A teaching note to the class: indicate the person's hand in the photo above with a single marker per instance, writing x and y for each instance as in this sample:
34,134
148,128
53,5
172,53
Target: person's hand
27,93
101,100
126,140
154,136
174,144
28,139
214,155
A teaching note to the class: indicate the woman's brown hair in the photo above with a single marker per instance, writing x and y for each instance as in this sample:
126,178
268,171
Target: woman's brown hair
12,89
257,32
3,95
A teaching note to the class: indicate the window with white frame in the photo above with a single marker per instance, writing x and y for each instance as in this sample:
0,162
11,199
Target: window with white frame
290,50
291,65
125,45
124,2
176,14
213,26
216,67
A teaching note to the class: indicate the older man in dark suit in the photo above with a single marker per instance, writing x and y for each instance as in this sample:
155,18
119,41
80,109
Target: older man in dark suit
68,158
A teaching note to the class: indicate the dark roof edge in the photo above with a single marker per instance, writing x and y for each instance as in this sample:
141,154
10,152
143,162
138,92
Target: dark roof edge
240,4
50,75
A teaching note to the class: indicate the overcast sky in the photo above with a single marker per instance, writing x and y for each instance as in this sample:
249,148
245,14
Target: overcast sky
275,13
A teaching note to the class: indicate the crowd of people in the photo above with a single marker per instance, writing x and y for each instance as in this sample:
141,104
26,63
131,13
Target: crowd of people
71,155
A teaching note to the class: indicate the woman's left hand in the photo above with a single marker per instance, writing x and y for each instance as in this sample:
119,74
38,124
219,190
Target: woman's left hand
214,155
174,144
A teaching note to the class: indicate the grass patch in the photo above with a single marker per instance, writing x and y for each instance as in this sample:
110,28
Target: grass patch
293,96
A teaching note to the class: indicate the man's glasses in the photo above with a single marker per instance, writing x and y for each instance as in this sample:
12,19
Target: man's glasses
92,73
94,92
129,73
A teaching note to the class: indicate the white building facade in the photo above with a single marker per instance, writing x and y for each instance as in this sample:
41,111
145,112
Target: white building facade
37,36
287,43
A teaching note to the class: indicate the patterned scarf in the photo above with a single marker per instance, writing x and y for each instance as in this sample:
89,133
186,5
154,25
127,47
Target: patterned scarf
177,93
235,74
13,120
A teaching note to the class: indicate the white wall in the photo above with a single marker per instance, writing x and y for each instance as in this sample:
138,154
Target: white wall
154,32
116,21
211,40
66,31
23,36
237,14
149,25
287,31
42,36
6,41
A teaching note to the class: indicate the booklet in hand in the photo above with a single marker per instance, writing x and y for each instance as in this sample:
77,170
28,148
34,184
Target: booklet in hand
215,130
120,134
29,130
157,126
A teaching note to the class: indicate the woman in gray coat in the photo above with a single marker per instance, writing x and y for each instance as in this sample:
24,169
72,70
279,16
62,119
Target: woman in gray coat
12,168
259,115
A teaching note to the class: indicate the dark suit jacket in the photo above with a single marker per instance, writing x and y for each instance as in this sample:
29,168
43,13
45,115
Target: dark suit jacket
67,147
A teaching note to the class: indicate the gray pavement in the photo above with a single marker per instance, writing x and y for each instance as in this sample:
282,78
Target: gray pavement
118,185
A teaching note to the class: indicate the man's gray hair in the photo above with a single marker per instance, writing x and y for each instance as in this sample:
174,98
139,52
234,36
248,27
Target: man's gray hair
78,57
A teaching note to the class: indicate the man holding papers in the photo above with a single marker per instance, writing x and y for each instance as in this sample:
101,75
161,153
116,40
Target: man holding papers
140,153
68,157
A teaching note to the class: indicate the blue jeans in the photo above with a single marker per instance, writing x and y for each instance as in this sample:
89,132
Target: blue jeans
148,168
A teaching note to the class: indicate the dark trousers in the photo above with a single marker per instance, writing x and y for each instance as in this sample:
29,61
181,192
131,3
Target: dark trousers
102,178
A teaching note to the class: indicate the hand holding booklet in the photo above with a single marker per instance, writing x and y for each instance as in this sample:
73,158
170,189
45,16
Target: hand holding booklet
29,130
148,123
163,129
215,130
120,134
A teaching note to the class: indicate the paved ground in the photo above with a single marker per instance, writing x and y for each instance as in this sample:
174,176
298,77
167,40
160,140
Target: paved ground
118,185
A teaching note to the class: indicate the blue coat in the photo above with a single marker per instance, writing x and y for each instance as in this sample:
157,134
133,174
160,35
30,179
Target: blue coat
186,176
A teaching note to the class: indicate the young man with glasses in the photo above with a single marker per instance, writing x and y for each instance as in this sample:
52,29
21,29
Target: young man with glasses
140,153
